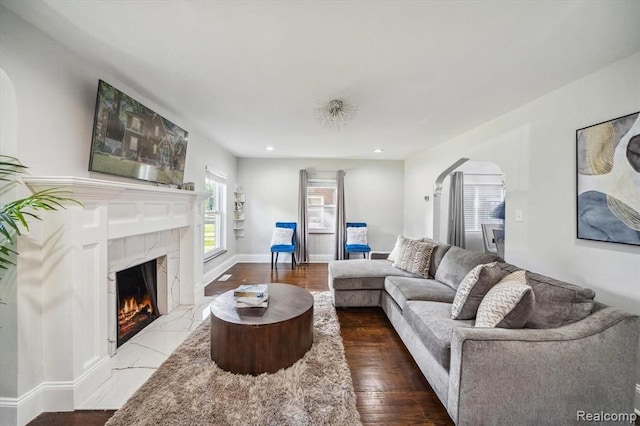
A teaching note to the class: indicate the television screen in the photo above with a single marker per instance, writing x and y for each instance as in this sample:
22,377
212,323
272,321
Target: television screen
131,140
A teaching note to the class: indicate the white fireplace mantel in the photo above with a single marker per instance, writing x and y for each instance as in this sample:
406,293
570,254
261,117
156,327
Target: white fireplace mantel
133,208
88,189
70,261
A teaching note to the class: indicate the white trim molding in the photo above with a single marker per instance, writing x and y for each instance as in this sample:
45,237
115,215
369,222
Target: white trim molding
78,249
637,408
214,273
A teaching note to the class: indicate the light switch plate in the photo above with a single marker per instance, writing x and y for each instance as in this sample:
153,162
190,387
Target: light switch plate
519,216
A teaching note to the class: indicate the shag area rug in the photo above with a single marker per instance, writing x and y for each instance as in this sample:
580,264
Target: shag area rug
190,389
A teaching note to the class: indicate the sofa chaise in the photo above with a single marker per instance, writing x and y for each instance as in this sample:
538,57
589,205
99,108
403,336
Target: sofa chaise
572,358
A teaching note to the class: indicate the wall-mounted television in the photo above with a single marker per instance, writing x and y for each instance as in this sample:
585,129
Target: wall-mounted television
131,140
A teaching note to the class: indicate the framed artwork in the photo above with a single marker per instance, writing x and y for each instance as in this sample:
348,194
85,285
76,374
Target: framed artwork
608,180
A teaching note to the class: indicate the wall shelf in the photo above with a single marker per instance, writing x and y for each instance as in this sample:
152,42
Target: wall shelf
239,213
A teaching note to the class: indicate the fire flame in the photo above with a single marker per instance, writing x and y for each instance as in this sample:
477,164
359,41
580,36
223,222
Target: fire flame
131,307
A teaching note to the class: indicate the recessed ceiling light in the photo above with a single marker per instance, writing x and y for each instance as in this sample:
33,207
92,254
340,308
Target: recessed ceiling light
269,148
378,150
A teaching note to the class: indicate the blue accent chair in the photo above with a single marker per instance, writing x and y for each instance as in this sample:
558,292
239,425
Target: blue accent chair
356,248
285,248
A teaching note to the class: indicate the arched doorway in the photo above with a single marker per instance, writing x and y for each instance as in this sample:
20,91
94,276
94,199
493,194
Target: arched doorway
484,189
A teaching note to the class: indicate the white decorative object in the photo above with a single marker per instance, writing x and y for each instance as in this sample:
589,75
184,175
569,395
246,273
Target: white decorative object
281,236
357,235
336,114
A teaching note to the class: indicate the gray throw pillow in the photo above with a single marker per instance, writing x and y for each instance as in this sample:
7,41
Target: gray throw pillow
509,304
473,288
414,256
457,262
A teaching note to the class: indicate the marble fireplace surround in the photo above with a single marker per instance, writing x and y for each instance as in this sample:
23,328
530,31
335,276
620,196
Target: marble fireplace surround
124,253
119,225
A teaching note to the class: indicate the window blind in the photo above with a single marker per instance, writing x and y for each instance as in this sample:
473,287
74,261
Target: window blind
480,205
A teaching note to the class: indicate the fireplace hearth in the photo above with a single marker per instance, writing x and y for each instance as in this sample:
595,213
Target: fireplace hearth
136,295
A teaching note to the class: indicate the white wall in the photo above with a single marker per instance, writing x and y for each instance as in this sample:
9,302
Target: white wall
535,147
373,194
55,95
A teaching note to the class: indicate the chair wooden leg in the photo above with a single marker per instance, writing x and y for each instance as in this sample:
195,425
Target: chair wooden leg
293,260
271,260
277,253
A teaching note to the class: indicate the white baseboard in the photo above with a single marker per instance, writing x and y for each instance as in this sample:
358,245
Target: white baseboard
53,396
58,396
91,380
20,411
259,258
44,397
214,273
8,412
321,258
284,258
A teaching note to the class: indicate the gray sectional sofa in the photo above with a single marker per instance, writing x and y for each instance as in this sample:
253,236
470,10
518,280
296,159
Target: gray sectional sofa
573,356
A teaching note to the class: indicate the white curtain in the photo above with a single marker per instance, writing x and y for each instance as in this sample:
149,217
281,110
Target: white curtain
302,236
456,210
341,221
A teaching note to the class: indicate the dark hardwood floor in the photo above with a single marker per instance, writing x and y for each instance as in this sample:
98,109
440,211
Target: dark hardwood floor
73,418
390,388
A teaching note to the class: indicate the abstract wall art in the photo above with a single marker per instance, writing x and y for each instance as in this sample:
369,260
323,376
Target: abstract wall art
608,180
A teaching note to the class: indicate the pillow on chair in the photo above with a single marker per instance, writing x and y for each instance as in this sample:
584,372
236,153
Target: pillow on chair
281,237
357,235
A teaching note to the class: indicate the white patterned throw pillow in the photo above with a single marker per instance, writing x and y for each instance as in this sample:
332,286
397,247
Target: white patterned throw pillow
400,241
281,236
473,287
414,256
509,304
357,235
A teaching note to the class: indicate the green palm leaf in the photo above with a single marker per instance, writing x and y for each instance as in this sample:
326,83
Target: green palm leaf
16,214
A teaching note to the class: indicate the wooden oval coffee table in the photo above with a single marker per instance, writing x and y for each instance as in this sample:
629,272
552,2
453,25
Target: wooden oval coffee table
262,340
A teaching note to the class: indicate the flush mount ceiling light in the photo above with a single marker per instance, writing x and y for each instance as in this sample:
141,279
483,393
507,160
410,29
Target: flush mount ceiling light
336,114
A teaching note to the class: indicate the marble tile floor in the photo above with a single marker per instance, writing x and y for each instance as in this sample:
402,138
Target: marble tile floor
137,359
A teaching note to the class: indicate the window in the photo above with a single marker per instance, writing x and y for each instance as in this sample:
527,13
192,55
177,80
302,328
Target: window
214,215
321,204
136,124
480,204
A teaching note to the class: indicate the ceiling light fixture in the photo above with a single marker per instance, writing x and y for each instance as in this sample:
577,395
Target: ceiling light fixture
269,148
378,150
336,114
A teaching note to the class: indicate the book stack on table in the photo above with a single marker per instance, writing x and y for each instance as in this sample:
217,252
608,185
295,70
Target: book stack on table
252,296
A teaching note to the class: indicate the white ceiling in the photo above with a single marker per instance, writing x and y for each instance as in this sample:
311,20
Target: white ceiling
248,74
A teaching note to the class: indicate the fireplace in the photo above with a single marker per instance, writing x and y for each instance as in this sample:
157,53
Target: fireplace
136,295
66,353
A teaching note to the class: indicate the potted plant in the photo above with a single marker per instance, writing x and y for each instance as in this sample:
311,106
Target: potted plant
15,215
